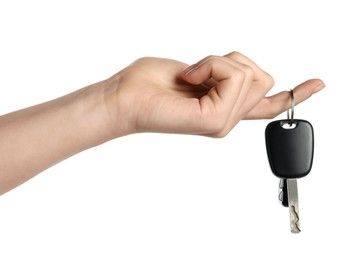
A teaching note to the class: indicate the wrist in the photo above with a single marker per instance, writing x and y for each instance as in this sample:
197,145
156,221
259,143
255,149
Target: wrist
102,112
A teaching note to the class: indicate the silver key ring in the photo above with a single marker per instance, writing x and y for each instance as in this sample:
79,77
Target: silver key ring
291,108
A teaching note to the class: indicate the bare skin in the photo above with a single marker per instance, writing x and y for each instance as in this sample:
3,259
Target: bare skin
151,95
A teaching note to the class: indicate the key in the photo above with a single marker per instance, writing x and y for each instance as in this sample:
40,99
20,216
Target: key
290,148
290,154
283,192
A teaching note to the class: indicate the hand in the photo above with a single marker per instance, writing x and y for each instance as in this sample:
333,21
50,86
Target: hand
207,98
151,95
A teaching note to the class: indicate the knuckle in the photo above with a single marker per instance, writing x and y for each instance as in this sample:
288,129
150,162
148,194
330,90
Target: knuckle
235,55
244,72
141,60
207,60
210,57
268,81
248,71
239,74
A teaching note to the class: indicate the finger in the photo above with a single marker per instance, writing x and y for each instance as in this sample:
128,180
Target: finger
270,107
210,83
216,108
228,77
247,74
260,74
231,58
214,58
238,110
262,83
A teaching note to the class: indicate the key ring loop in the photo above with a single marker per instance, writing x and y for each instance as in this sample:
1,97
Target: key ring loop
291,118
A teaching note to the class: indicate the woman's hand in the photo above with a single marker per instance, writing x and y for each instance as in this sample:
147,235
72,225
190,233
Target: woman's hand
207,98
151,95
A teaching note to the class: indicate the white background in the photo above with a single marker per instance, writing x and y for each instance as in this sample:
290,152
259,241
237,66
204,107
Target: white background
154,196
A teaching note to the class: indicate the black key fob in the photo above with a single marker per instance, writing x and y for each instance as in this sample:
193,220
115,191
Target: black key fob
290,148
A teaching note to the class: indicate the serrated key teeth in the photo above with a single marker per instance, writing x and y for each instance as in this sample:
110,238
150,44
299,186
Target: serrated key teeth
281,195
295,230
281,184
292,187
294,221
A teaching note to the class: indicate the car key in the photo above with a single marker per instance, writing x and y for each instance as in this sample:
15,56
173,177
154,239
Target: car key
283,192
290,145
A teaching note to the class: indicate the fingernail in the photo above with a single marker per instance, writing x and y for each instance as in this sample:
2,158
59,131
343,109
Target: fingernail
319,87
189,69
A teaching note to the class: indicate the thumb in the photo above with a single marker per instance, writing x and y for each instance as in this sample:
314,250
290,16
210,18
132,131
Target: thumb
274,105
306,90
301,93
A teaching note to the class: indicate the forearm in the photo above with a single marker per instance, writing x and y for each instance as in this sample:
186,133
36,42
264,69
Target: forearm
35,138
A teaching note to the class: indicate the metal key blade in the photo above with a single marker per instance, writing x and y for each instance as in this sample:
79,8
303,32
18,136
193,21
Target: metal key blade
292,187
